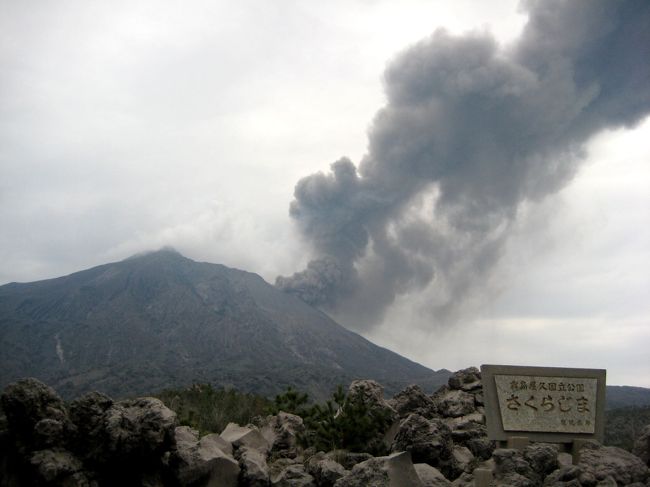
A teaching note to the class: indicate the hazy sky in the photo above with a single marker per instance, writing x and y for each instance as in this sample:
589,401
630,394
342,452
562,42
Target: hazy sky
127,126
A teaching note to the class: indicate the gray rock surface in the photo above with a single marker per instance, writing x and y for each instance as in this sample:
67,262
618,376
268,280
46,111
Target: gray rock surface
281,433
201,462
370,393
466,380
139,428
431,476
324,470
293,475
26,403
455,403
55,465
609,461
395,470
427,440
463,459
254,470
413,400
511,468
245,436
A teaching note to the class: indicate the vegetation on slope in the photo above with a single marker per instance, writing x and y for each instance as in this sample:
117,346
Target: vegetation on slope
623,425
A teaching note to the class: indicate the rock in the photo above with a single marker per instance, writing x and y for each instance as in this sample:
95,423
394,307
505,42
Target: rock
431,476
470,431
481,447
463,459
55,465
455,403
248,436
609,461
88,415
427,440
223,445
201,462
465,480
348,459
281,433
642,445
369,391
254,470
50,432
293,475
568,475
138,429
395,470
324,470
542,458
27,402
413,400
466,380
511,468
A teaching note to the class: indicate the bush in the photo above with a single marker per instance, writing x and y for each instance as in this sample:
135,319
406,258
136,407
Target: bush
209,410
340,423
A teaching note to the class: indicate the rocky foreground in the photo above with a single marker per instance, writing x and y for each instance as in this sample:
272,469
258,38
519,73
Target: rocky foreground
434,440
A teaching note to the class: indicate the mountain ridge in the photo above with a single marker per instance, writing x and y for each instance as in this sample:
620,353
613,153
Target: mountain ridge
159,319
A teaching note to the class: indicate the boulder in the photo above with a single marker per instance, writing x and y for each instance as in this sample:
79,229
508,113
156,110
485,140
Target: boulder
369,391
88,415
281,433
56,465
542,458
293,475
413,400
610,461
431,476
569,476
201,462
511,468
245,436
466,380
254,470
324,470
455,403
463,460
138,429
27,402
470,431
395,470
427,440
50,432
642,445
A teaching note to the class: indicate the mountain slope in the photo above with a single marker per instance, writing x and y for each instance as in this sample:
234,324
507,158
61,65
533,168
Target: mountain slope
160,320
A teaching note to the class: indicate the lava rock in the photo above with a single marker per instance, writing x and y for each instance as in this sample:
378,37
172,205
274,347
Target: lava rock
413,400
466,380
395,470
427,440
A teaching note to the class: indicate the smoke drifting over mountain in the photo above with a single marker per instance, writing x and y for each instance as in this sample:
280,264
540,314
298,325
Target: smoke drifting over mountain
470,131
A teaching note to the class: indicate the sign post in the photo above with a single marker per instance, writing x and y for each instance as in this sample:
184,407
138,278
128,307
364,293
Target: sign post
549,404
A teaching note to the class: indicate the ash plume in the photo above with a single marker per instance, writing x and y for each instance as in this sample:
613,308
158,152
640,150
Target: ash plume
471,131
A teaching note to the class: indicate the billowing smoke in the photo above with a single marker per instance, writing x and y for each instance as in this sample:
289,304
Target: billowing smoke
471,131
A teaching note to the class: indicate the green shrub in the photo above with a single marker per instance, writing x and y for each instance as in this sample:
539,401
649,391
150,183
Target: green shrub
291,401
209,410
340,423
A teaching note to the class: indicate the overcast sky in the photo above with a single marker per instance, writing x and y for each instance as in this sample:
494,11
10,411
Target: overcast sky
126,126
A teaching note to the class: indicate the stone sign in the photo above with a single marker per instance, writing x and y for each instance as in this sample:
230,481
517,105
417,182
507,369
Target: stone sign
544,403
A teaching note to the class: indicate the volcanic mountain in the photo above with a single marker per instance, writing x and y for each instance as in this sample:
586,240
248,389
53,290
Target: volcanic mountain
160,320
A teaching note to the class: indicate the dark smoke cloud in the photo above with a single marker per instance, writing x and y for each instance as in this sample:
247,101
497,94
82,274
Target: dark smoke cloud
470,132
